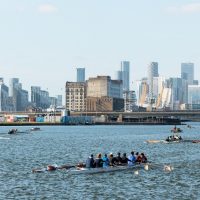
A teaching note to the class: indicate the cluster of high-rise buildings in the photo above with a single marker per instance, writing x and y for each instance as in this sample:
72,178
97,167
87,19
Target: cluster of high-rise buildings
15,98
174,93
153,92
101,93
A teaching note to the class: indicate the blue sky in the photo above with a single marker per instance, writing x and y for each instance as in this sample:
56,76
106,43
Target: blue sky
43,41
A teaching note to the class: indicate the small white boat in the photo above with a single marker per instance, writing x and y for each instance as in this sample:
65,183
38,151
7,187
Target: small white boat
103,170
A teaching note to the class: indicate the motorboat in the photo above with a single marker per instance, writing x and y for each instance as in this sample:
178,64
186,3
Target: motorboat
12,131
174,138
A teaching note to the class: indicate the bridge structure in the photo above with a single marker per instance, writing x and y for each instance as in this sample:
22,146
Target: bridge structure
182,115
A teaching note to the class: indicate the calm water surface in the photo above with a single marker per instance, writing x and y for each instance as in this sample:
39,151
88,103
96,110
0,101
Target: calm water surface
68,145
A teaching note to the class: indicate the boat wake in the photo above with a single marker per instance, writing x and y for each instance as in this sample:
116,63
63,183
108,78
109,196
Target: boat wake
4,138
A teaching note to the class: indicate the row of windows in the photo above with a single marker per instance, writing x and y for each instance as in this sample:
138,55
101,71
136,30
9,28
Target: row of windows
74,90
75,107
74,104
73,96
76,100
73,93
79,105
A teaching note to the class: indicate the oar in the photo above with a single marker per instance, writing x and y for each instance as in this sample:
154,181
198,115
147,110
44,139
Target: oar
165,167
39,170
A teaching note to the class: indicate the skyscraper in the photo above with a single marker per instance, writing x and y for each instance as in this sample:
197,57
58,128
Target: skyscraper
18,95
14,82
40,98
152,72
80,75
4,102
35,95
187,72
118,75
179,93
125,74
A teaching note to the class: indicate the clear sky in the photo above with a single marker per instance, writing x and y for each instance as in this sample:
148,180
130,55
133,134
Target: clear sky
43,41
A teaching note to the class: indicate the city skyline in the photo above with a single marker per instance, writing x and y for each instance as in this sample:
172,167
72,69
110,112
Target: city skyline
42,43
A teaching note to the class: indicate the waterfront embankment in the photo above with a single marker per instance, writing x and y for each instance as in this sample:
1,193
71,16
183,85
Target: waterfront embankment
175,122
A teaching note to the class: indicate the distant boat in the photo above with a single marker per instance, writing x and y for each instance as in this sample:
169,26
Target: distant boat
12,131
35,129
174,138
196,141
176,130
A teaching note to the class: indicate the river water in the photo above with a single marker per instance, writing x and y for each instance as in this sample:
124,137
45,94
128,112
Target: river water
72,144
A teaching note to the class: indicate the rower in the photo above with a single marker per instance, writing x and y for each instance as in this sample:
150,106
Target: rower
98,161
124,159
131,159
118,159
144,158
90,162
105,161
112,160
138,158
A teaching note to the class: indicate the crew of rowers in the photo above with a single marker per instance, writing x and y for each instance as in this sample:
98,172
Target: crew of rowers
110,160
106,161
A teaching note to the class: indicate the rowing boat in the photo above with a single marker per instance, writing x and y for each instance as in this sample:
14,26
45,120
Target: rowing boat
161,141
74,171
196,141
172,141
